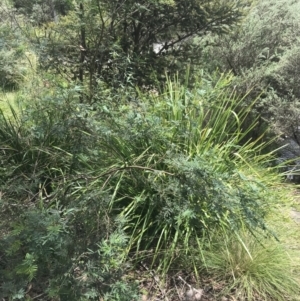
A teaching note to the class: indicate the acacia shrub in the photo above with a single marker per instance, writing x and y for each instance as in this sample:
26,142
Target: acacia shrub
58,238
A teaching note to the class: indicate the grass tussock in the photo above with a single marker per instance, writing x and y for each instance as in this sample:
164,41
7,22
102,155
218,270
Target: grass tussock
250,268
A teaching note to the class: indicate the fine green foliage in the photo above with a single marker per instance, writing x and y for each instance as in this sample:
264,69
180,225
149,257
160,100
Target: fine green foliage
88,192
43,223
257,269
263,54
195,175
42,11
117,171
12,51
116,41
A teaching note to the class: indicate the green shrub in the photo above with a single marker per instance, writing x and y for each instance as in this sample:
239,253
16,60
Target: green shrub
94,43
46,251
262,53
185,171
41,12
58,237
89,191
12,66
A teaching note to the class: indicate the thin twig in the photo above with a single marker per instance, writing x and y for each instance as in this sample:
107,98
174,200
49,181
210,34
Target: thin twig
38,296
180,278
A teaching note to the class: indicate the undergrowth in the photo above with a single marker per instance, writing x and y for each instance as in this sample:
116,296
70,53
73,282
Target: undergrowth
90,191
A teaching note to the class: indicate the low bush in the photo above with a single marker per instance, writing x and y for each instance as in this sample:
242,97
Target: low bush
90,191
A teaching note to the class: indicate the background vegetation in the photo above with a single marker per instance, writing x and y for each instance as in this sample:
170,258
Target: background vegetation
262,53
130,173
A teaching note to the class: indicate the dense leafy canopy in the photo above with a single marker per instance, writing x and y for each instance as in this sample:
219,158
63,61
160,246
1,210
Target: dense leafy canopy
114,41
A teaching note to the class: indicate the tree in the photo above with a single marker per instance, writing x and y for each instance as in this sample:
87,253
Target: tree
114,40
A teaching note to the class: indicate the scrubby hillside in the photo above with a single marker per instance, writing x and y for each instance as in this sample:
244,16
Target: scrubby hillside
131,174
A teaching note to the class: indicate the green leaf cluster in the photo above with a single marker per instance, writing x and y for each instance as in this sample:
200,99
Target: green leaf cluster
40,12
88,191
113,41
12,51
263,54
